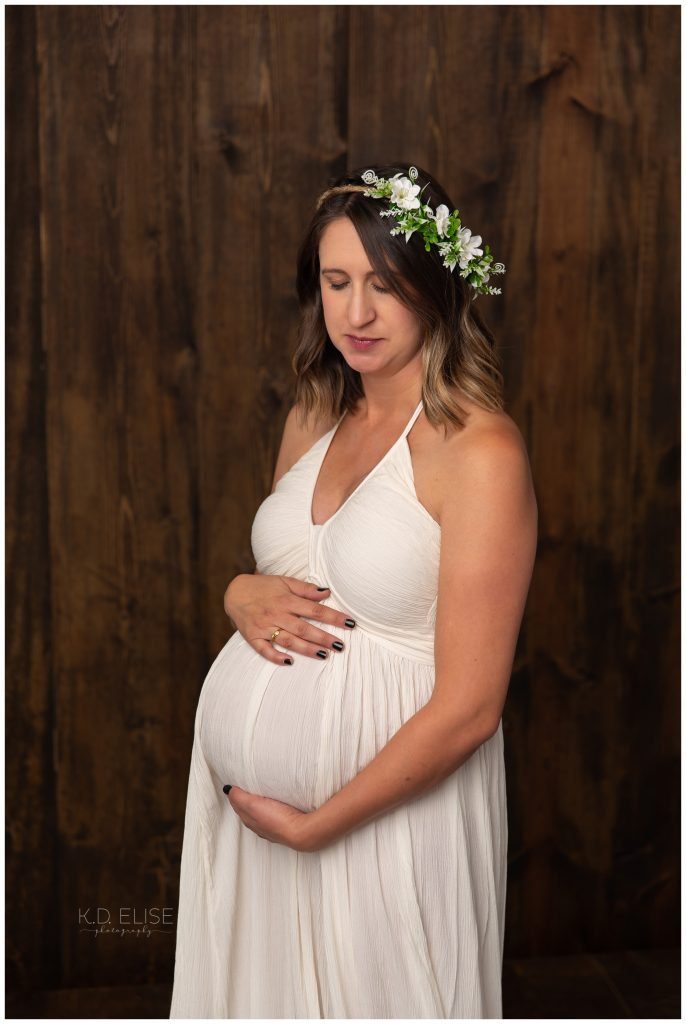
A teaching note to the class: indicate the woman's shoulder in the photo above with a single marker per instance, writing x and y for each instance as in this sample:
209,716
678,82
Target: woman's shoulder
486,428
300,433
482,429
489,444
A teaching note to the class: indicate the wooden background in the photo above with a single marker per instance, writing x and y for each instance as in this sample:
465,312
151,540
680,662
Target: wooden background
161,165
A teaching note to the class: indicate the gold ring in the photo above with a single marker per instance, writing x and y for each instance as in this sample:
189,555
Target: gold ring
274,635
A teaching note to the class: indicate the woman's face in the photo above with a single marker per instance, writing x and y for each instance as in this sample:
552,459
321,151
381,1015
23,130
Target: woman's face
355,304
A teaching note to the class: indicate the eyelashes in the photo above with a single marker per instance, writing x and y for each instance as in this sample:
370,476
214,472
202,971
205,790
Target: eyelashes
337,287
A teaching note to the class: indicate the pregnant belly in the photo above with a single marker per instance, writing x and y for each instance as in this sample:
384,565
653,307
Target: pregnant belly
299,733
261,723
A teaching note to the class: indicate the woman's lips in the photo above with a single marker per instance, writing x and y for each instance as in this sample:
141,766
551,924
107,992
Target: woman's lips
362,343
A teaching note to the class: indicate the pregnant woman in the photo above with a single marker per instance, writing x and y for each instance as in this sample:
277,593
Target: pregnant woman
356,867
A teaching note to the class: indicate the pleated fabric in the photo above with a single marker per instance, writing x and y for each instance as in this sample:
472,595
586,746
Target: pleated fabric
404,916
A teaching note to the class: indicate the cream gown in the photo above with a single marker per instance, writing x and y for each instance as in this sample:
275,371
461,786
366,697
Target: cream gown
403,916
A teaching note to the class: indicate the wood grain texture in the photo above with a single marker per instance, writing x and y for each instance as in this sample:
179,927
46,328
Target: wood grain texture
162,163
117,129
32,878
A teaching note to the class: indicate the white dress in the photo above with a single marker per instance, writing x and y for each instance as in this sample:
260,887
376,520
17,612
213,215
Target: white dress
402,917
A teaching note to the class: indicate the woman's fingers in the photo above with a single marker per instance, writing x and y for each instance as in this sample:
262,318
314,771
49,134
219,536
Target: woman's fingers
260,604
321,613
312,591
292,640
293,636
268,651
306,638
291,613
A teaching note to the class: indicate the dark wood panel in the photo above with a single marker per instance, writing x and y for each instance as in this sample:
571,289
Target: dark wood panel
117,138
32,924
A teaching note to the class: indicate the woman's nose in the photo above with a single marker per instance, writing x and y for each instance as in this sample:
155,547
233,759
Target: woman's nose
361,308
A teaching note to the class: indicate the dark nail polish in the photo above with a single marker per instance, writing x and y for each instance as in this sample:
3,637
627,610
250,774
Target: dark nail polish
338,645
321,654
226,788
350,622
322,588
288,661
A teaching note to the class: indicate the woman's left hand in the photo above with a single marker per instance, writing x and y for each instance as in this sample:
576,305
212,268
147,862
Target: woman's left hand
273,820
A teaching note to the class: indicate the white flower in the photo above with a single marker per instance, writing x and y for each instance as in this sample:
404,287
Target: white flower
404,194
442,218
469,246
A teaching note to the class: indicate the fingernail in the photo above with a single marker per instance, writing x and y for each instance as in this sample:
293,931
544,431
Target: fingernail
226,788
338,645
288,661
321,654
322,588
350,622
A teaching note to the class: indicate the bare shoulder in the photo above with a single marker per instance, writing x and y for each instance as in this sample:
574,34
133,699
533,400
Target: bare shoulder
484,462
299,435
490,443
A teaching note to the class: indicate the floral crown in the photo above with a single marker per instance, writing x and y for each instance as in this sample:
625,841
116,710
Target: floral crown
442,228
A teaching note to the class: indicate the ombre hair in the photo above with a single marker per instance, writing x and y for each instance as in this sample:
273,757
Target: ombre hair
458,349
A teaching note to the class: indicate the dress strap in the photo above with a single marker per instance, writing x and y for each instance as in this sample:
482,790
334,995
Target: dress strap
413,417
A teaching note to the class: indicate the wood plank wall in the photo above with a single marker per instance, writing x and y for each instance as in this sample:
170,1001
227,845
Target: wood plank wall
161,164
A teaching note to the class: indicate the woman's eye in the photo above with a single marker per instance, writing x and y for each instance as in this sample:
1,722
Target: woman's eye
337,287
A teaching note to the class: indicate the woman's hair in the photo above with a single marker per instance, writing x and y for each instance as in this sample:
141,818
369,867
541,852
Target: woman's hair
458,349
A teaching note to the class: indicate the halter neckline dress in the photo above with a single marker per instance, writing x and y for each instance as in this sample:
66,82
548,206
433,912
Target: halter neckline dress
404,916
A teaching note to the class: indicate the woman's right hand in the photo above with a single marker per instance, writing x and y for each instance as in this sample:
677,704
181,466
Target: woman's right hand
260,603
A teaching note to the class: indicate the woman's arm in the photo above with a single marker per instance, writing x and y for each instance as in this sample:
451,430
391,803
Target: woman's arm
489,523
